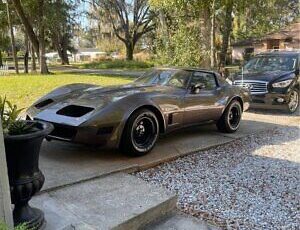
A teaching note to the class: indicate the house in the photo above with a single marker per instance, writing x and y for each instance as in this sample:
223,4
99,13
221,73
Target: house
81,55
285,39
89,54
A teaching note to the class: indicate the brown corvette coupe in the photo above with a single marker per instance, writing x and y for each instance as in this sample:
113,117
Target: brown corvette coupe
131,117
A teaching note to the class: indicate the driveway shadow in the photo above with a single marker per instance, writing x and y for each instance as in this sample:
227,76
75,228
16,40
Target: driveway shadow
65,163
274,112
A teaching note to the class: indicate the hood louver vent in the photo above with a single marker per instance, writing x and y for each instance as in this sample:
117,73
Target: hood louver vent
74,111
44,103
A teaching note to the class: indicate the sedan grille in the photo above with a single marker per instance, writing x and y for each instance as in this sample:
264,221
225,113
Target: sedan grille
255,87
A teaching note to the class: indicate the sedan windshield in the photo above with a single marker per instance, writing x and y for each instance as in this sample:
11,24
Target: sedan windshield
271,63
170,77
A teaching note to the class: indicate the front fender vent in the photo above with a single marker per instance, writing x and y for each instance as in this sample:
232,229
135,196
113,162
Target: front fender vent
74,111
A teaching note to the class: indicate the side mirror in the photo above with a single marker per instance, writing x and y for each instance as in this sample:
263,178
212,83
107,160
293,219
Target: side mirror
196,88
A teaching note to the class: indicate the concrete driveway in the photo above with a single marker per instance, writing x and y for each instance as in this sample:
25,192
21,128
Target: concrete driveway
65,164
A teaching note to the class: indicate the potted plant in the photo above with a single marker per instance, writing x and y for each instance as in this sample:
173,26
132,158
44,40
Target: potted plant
22,140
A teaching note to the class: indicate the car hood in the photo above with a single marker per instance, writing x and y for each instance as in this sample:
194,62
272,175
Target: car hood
267,76
98,97
91,99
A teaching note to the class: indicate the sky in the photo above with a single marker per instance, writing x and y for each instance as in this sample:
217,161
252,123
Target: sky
84,6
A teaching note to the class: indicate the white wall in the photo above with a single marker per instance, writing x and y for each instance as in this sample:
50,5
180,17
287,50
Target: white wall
5,203
237,53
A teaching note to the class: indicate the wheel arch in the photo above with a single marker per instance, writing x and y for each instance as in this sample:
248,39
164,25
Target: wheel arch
239,99
152,108
156,111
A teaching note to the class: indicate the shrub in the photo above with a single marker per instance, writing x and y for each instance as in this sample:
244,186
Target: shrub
118,64
11,123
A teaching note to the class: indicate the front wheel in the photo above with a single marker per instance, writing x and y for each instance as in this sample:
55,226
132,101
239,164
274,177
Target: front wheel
293,103
231,118
140,133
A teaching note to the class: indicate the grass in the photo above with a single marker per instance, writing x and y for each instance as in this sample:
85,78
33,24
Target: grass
117,64
4,227
23,90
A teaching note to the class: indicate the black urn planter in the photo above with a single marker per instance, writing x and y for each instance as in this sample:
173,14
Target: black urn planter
25,177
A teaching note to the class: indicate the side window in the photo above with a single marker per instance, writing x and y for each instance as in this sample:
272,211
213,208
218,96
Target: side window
179,79
207,79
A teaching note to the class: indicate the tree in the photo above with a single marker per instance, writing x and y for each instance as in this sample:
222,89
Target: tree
226,29
12,37
130,20
255,18
213,35
184,30
37,41
60,27
4,39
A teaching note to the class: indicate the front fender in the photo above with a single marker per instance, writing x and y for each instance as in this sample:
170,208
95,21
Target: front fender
148,104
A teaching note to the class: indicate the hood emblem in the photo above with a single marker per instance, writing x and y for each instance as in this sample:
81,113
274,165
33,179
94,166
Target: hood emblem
249,86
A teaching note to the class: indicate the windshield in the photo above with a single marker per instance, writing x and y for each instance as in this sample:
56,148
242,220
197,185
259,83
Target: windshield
271,63
175,78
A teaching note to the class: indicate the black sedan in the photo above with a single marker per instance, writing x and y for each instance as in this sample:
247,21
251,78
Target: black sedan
273,79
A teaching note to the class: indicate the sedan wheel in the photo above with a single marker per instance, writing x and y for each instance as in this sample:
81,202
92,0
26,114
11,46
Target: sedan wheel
293,101
140,134
231,118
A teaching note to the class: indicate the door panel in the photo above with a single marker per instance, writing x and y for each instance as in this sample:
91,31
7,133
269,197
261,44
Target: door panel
204,105
172,106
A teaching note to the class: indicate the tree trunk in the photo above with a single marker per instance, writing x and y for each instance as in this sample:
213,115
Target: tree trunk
64,49
43,61
28,28
26,55
33,60
65,58
227,31
1,60
213,37
42,45
12,38
129,51
164,27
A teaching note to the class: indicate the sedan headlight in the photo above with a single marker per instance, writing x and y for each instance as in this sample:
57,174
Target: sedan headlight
282,84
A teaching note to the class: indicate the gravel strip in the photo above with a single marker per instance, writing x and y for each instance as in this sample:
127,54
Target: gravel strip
251,183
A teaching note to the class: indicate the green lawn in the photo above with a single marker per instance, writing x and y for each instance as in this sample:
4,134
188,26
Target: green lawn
116,64
23,90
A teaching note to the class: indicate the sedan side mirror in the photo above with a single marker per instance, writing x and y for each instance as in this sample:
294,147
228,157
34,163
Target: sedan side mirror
196,88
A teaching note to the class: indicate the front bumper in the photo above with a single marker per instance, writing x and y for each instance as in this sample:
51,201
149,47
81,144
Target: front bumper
96,136
270,101
75,130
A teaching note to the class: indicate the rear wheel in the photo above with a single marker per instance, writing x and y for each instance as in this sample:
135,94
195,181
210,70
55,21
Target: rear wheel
140,133
231,118
293,103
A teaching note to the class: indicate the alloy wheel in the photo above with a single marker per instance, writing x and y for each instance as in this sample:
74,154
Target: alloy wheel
294,101
234,116
144,132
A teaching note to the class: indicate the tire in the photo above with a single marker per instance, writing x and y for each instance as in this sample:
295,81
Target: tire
140,133
293,103
231,118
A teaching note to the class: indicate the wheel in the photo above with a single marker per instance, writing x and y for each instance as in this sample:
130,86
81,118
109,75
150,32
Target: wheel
230,120
293,103
140,133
